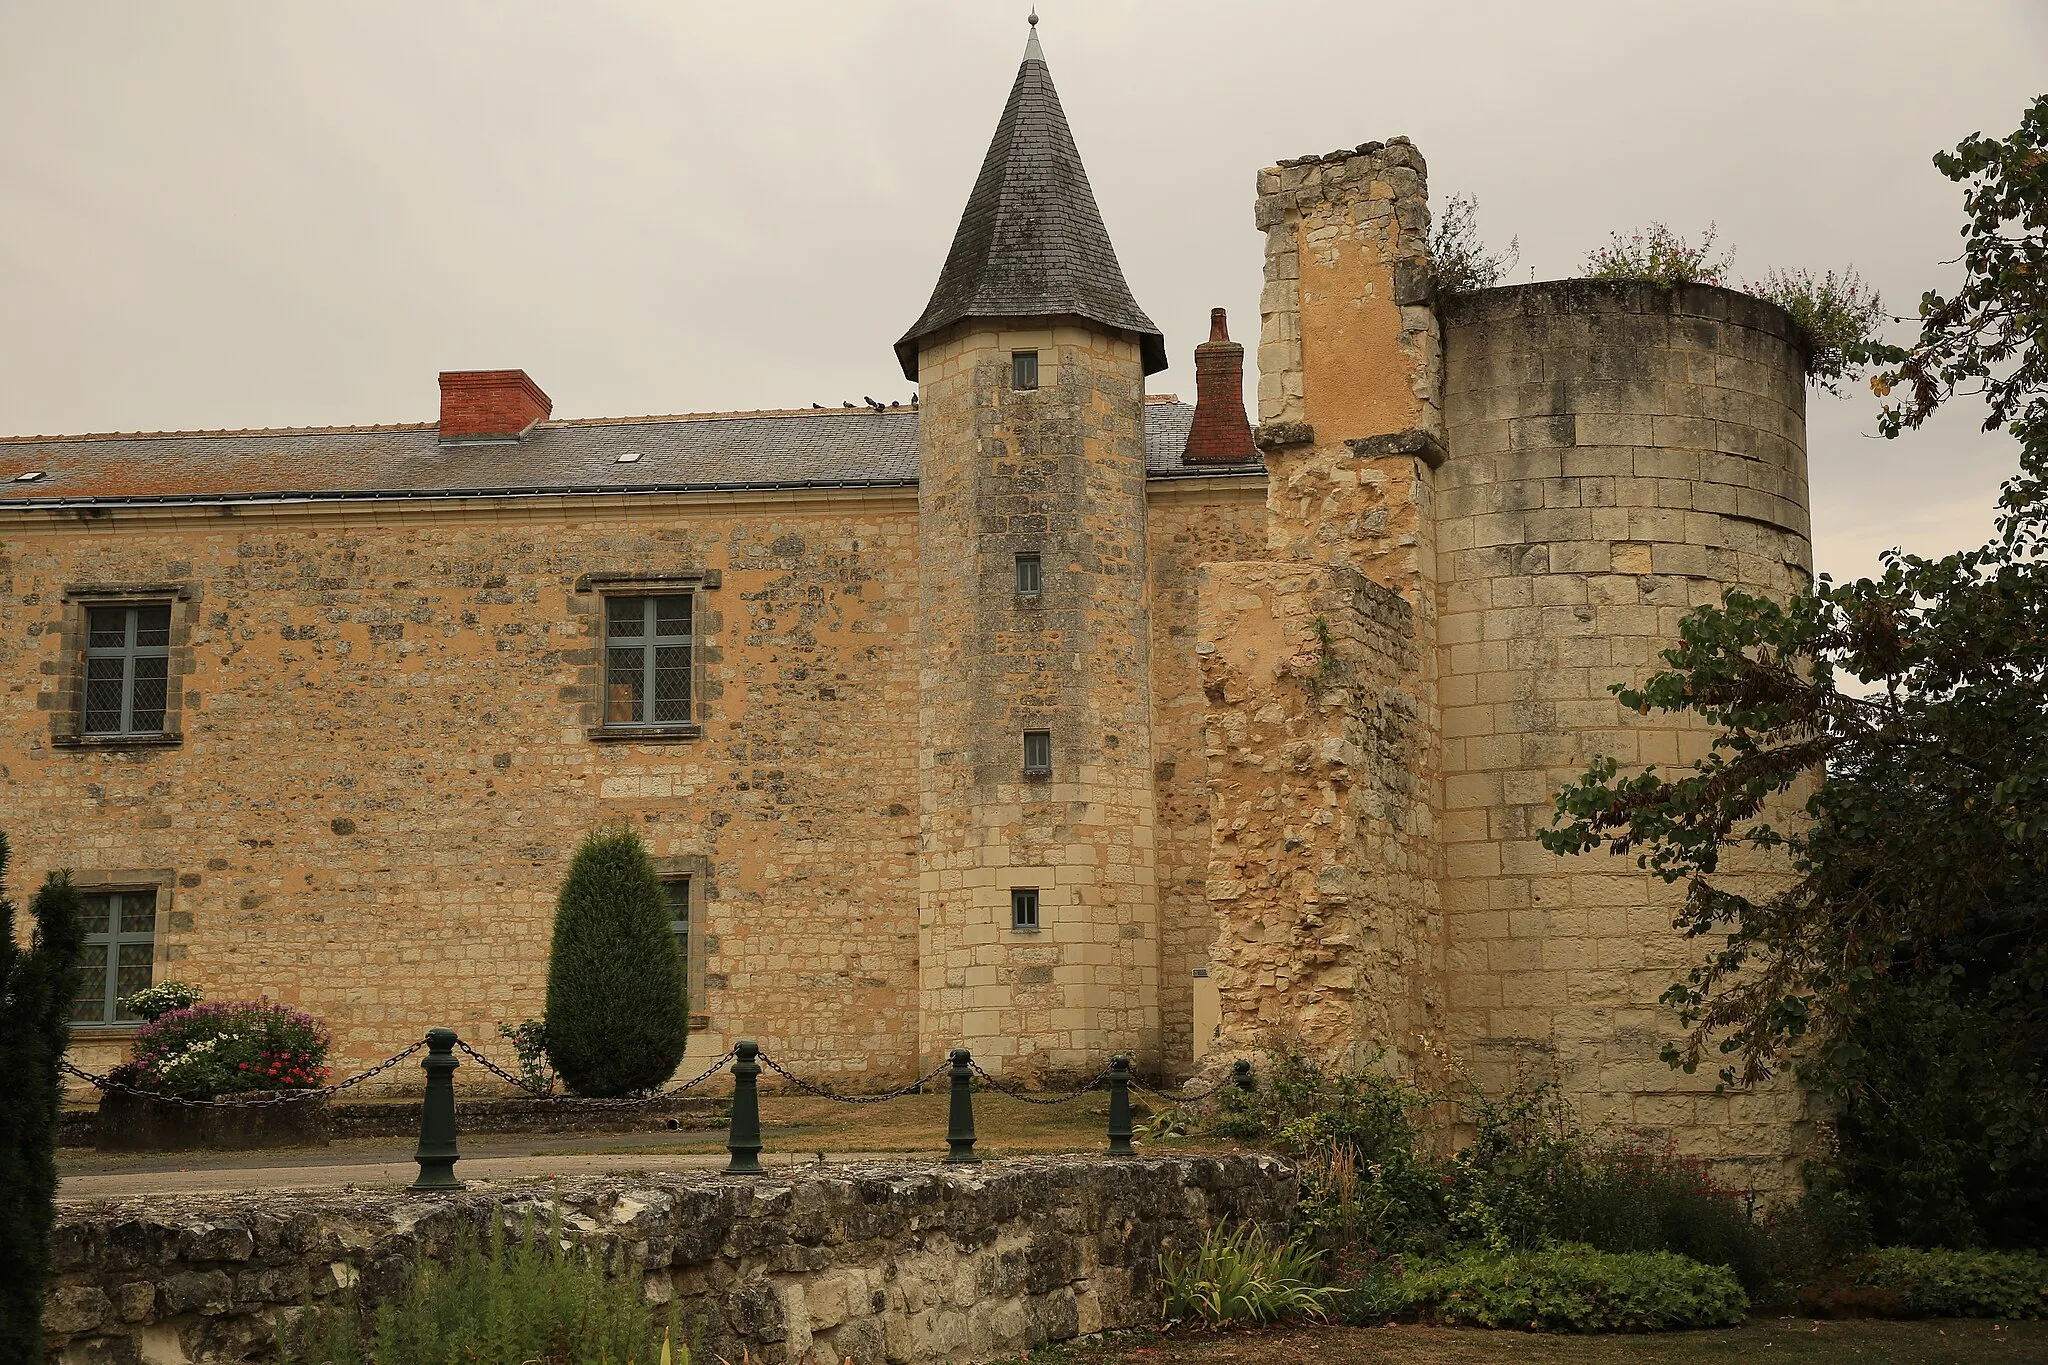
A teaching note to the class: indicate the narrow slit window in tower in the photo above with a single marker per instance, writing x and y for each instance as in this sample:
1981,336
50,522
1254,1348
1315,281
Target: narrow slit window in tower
1029,577
1038,751
1024,907
1023,369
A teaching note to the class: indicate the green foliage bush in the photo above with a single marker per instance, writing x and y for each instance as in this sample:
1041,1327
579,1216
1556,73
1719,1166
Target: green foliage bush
1575,1288
1658,255
1459,261
36,989
1958,1284
225,1048
1837,314
617,1014
497,1301
1239,1277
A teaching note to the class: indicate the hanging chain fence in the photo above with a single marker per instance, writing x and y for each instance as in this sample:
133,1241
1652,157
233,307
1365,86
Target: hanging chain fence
1021,1097
625,1102
826,1093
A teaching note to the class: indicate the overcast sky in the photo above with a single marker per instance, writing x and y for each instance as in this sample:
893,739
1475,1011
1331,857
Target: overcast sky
262,214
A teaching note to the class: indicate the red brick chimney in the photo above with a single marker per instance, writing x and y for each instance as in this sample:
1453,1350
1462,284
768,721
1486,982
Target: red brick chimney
1220,434
490,405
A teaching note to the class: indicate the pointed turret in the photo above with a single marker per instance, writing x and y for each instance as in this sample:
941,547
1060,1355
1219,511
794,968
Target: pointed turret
1031,242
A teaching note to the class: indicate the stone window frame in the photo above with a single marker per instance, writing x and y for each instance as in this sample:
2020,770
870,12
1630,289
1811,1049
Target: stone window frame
1017,924
162,881
1043,771
589,598
1036,560
703,890
67,710
1024,367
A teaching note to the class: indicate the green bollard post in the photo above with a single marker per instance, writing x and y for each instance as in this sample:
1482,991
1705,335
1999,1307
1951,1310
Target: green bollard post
438,1152
1120,1106
743,1140
960,1118
1241,1073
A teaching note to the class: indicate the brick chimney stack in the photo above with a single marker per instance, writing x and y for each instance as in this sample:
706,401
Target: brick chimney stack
1220,433
490,405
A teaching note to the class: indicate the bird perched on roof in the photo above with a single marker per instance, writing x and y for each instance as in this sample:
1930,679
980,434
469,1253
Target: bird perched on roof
844,404
819,406
873,404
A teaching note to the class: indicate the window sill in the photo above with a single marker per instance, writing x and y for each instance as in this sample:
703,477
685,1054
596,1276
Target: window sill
642,734
167,740
104,1033
1037,774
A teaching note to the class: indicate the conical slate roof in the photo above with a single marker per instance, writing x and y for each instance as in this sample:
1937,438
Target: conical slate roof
1031,241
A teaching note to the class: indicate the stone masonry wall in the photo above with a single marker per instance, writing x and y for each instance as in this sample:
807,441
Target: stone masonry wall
897,1263
385,767
1322,864
1059,471
1190,524
1320,849
1619,455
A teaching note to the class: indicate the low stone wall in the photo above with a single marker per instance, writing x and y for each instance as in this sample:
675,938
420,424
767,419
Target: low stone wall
401,1118
890,1262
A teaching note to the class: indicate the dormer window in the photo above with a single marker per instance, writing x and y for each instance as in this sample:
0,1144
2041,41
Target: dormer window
1023,370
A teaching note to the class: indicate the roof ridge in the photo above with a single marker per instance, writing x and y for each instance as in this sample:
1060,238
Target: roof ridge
377,428
221,431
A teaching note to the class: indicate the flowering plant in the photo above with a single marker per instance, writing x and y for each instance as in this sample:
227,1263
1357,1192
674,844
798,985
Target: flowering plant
225,1047
153,1002
1658,255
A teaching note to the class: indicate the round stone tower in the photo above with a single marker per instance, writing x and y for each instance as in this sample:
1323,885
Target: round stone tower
1618,455
1038,913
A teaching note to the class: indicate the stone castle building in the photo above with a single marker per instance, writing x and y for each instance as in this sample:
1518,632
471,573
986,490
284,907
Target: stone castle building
1041,716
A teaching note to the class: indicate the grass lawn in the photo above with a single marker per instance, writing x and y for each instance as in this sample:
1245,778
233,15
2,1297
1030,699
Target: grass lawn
1948,1342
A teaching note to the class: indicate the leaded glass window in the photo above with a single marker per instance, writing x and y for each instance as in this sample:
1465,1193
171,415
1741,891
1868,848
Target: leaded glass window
677,890
120,942
127,669
647,660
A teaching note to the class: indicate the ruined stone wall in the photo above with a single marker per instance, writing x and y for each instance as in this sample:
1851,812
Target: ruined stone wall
1323,727
385,765
1619,454
1318,860
1060,471
898,1263
1189,525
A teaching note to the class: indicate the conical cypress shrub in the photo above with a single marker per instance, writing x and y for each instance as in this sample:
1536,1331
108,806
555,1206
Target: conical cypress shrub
617,1013
36,990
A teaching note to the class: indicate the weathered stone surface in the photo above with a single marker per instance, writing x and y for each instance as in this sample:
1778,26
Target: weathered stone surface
895,1262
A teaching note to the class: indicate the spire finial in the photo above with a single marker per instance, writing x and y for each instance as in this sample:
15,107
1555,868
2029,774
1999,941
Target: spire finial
1032,52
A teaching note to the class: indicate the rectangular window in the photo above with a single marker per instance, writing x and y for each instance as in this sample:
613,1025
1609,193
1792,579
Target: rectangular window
1024,907
1038,751
677,889
1029,576
127,668
647,660
120,942
1023,369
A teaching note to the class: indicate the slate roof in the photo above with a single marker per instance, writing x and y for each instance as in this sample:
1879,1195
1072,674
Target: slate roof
832,448
1031,241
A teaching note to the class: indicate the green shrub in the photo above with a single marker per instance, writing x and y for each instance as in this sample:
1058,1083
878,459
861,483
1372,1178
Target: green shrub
1837,314
1238,1277
37,985
1657,255
617,1015
1644,1195
1958,1284
497,1301
1577,1289
1458,260
227,1047
530,1046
